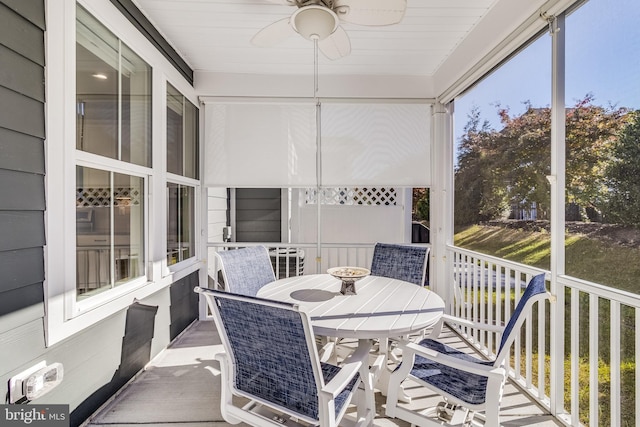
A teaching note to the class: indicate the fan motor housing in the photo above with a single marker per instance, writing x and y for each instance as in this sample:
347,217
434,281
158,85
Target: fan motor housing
314,22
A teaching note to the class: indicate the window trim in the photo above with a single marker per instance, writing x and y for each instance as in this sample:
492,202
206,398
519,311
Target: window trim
74,307
197,207
62,320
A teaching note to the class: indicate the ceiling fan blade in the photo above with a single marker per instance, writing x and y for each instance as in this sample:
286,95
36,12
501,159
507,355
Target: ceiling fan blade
370,12
273,33
337,45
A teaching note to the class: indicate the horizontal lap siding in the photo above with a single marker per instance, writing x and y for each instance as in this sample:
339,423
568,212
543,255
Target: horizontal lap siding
22,164
22,189
258,215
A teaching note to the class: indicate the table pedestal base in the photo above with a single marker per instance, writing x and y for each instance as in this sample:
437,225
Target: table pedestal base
348,287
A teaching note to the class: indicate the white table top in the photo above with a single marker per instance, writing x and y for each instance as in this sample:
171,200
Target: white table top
382,308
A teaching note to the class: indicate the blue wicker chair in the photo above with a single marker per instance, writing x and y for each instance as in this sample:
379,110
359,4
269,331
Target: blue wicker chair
246,270
403,262
271,359
467,383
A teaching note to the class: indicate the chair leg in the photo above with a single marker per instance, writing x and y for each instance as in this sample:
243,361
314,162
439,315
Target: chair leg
226,396
394,389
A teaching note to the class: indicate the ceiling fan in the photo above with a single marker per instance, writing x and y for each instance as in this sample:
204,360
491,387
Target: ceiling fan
321,20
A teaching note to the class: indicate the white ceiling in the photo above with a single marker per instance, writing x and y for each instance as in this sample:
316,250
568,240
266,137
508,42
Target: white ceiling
213,37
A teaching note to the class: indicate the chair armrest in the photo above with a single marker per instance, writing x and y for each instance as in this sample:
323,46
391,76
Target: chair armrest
447,318
409,348
349,368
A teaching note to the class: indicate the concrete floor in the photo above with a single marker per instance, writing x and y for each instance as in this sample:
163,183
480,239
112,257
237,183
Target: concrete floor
181,388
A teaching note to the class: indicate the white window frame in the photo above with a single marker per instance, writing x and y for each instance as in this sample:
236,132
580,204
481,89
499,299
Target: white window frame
186,181
64,316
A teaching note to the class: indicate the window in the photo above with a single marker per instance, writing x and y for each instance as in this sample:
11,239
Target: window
182,161
113,90
180,223
109,230
182,135
113,134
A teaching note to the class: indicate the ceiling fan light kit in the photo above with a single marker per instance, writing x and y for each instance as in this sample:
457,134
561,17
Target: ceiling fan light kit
314,22
320,21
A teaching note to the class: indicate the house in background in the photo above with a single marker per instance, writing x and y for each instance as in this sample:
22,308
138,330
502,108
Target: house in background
128,127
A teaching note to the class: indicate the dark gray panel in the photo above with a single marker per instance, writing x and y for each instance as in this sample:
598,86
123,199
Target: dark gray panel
242,236
21,268
137,18
135,354
21,75
184,304
258,215
21,35
18,299
33,10
258,193
251,226
20,152
20,229
271,204
21,191
20,113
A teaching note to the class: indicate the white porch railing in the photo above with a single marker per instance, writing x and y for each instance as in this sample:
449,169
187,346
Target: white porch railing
597,380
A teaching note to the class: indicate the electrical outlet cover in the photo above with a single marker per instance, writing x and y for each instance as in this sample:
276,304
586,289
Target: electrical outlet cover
16,388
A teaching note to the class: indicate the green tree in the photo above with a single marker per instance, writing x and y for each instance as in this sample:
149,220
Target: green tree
591,132
497,169
421,204
479,195
623,174
525,156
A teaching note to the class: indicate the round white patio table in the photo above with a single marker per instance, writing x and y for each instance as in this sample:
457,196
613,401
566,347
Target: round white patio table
382,307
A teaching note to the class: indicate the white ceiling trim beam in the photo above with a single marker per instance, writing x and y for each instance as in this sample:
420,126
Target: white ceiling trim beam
329,86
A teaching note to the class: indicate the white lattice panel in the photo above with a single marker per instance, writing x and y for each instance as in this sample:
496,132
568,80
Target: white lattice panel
352,196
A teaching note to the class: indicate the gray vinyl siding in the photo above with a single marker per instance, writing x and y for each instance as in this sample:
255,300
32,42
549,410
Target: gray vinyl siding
101,358
22,191
22,133
258,215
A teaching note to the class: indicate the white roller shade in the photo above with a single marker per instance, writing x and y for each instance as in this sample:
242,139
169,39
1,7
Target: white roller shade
260,144
273,144
366,144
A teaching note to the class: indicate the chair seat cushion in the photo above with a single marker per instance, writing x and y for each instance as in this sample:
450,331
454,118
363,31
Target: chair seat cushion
469,388
328,372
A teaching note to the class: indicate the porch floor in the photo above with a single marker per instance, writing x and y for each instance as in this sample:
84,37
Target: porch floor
181,388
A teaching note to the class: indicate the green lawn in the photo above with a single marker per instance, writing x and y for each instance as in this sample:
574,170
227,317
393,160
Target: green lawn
586,258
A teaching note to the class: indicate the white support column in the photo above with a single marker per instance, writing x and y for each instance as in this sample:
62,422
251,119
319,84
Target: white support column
557,181
203,220
157,206
441,201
